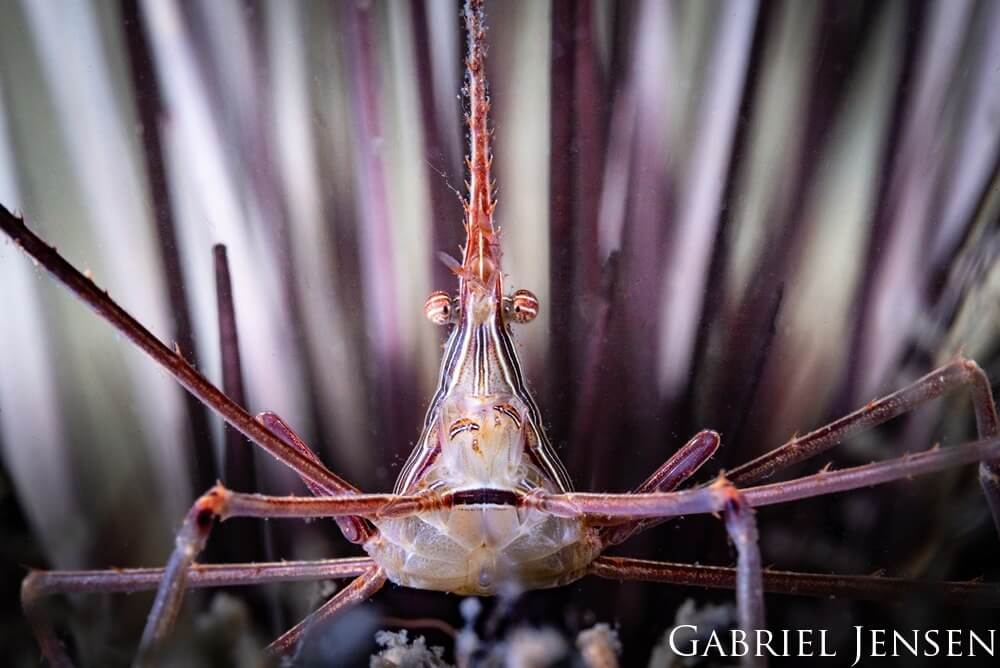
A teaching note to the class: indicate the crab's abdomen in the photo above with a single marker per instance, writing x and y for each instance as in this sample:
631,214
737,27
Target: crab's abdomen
483,549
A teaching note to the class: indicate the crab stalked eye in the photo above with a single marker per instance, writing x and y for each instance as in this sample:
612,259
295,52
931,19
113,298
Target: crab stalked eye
439,309
522,306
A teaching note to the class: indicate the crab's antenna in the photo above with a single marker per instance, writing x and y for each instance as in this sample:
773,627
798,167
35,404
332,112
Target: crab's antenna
481,256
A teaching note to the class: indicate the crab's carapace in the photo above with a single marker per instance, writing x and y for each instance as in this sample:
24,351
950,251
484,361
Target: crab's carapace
483,440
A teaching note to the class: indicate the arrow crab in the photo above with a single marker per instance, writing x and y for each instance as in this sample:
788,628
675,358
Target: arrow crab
484,502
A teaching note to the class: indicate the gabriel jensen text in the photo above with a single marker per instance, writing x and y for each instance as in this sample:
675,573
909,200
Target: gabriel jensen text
686,640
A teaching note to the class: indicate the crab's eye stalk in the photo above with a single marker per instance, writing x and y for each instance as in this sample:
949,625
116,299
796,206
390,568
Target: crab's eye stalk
522,306
439,308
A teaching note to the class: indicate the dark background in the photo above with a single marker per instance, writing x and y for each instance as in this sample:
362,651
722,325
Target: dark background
750,218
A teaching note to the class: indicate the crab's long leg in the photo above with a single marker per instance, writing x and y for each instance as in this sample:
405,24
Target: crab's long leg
740,524
742,528
359,591
669,476
307,467
220,502
864,587
682,464
40,584
735,504
353,528
959,373
712,499
190,542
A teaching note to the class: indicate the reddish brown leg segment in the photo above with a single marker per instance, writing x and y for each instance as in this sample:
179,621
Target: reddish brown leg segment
736,506
220,502
171,361
363,505
360,590
48,642
742,528
189,543
276,424
961,372
864,587
353,528
706,499
39,584
682,465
